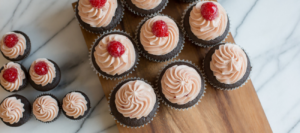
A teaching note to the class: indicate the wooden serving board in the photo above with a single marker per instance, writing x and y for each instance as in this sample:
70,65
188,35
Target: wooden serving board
219,111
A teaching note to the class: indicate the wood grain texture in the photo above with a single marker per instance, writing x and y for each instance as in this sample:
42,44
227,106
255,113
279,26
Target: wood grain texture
219,111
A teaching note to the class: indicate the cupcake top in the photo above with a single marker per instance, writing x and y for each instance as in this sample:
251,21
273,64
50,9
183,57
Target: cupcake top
146,4
13,45
181,84
74,104
208,20
159,35
135,99
115,54
45,108
229,63
42,71
12,76
97,13
11,110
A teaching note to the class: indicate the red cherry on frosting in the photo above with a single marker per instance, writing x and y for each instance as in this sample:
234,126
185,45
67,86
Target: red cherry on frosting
98,3
209,11
160,29
10,74
41,68
11,40
115,49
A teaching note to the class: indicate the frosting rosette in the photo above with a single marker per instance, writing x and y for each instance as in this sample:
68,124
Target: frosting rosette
43,80
206,29
19,82
11,110
74,104
135,99
159,45
15,51
45,108
114,65
229,63
181,84
97,17
146,4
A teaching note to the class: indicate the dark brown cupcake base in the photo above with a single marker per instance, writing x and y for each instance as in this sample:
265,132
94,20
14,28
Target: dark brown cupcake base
58,104
142,12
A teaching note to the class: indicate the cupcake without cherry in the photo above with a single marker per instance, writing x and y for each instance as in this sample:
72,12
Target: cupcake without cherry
46,108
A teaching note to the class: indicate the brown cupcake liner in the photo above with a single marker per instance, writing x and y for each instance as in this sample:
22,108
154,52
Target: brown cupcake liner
202,76
91,54
157,98
144,15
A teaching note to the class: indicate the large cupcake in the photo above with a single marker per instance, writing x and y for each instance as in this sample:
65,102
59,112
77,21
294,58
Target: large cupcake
15,46
46,108
227,66
206,23
98,16
13,77
146,7
159,38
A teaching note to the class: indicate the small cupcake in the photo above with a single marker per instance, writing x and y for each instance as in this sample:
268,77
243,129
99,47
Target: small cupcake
226,66
44,74
46,108
206,23
181,85
159,38
114,55
76,105
13,77
133,103
15,46
146,7
15,110
98,16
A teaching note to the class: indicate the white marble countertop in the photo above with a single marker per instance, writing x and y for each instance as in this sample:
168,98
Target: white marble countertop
269,30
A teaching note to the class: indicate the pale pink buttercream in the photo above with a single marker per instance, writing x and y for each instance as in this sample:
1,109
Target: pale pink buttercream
206,29
115,65
45,108
16,50
135,99
74,104
42,79
11,110
97,17
19,82
181,84
159,45
146,4
229,63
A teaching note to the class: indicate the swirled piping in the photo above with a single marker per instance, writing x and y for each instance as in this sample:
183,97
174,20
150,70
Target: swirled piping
45,108
74,104
19,82
43,80
15,51
11,110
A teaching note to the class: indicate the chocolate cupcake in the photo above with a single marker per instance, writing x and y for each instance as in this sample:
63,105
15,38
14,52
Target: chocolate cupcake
227,66
15,46
133,103
13,77
44,74
206,23
46,108
147,7
98,16
181,85
15,110
159,38
76,105
114,55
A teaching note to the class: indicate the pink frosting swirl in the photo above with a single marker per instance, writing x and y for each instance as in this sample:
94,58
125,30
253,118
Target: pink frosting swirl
205,29
181,84
146,4
45,108
115,65
19,82
229,63
97,17
159,45
43,79
135,99
15,51
74,104
11,110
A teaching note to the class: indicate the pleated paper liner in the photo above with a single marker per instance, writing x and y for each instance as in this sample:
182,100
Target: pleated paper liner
142,14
